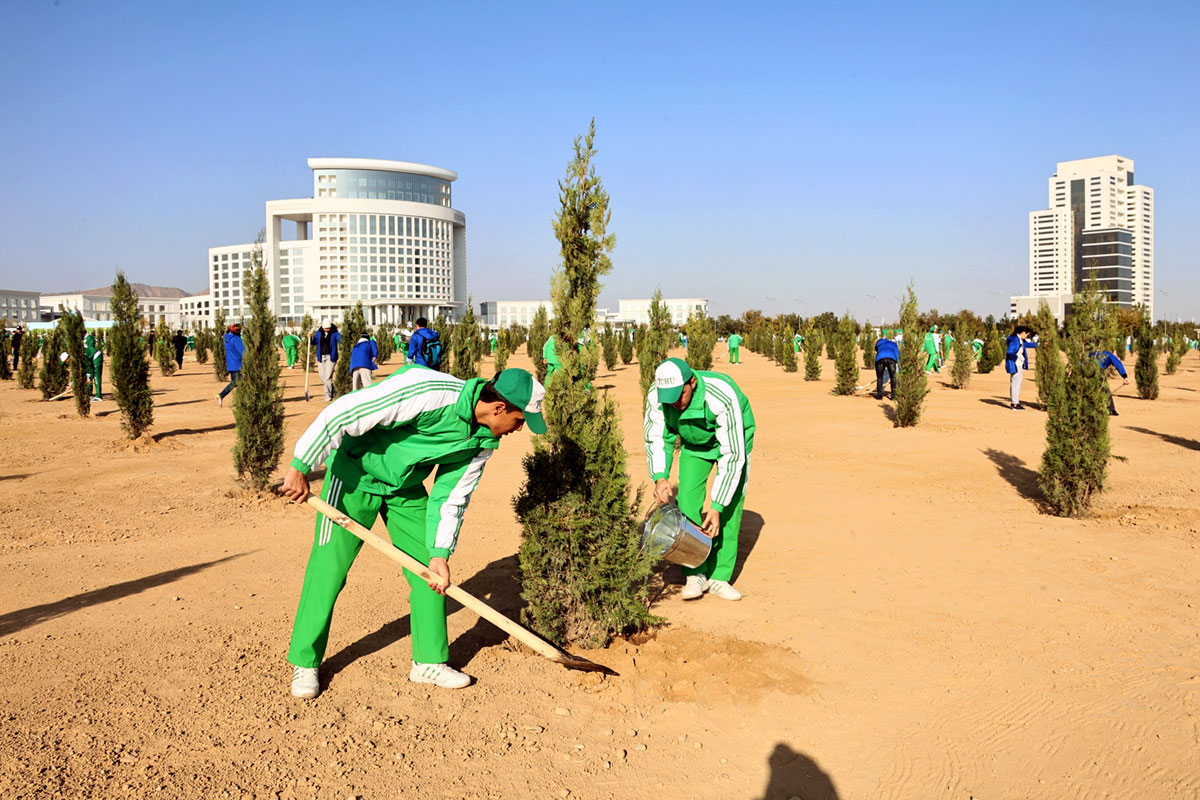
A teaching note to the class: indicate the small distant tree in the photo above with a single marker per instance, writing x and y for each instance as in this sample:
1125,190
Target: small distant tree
911,384
218,345
964,363
625,343
539,332
258,413
702,338
354,326
1175,353
812,354
73,335
27,369
1075,461
164,350
993,351
53,376
788,359
867,341
504,348
130,369
383,340
1048,365
306,351
5,357
465,346
608,344
1145,372
846,360
203,344
655,342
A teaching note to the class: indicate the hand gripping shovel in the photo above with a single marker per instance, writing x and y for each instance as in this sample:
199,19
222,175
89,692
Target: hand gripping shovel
526,636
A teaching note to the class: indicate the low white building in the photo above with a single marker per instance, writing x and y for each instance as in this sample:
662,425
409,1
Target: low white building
504,313
18,306
195,310
155,303
637,312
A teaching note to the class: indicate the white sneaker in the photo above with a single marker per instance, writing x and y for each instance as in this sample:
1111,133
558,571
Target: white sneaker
304,683
442,675
723,590
694,587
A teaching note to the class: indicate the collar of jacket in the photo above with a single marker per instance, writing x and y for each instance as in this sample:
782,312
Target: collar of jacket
696,406
464,408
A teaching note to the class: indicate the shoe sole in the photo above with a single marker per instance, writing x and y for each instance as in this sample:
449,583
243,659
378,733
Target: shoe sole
305,694
691,596
439,685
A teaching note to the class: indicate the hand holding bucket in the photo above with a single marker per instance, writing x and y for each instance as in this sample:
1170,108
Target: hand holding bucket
669,535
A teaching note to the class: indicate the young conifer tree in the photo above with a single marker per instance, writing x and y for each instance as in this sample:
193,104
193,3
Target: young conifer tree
1048,365
53,376
992,353
539,332
130,369
73,334
307,357
203,343
352,328
625,346
258,413
1075,461
504,348
812,354
788,353
847,361
609,347
164,349
218,345
465,345
702,338
5,357
583,575
911,384
964,363
27,368
656,341
383,340
1145,372
867,341
1174,354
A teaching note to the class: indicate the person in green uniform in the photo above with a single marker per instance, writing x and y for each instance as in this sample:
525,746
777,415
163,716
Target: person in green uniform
291,348
976,348
930,348
735,348
947,347
550,354
709,413
94,364
379,445
797,341
191,342
493,341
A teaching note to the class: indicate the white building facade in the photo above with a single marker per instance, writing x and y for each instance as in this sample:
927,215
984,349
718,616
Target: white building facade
155,303
1099,224
379,232
20,307
195,310
503,313
637,312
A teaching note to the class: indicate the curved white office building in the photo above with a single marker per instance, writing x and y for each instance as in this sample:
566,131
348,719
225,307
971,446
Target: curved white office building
380,232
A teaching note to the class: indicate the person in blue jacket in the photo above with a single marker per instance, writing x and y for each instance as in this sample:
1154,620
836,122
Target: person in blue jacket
362,362
416,343
887,355
325,343
1106,359
234,349
1015,346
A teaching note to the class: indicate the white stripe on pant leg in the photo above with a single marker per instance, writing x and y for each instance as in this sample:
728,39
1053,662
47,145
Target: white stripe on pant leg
335,487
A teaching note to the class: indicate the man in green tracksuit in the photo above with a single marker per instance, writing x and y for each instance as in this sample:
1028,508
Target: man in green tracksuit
710,414
379,445
947,347
735,348
930,348
93,362
550,354
493,341
291,348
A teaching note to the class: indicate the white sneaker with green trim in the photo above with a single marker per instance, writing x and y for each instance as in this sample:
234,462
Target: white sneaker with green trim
442,675
723,590
694,587
304,683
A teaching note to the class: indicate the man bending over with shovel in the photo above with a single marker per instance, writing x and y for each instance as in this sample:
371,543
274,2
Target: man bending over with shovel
379,444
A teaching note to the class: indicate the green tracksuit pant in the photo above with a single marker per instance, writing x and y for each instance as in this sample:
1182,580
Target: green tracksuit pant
97,374
735,355
290,352
693,480
333,552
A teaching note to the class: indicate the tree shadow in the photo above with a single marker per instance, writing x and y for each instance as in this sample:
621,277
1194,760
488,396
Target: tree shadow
889,411
18,620
1190,444
1019,476
158,437
179,403
16,477
794,774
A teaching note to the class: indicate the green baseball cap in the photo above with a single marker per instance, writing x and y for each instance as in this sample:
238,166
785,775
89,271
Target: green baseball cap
522,390
669,379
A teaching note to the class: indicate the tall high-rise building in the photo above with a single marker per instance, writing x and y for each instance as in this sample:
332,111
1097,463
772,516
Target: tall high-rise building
1099,224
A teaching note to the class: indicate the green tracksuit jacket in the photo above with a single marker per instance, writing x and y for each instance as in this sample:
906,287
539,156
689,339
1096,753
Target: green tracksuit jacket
550,354
717,428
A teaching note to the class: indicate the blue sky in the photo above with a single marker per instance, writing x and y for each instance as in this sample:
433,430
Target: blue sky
758,155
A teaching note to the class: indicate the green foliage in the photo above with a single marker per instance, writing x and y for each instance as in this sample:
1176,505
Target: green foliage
583,575
5,356
911,385
218,345
73,333
1176,349
383,340
504,348
1048,365
812,353
608,344
846,357
164,350
466,347
307,357
1075,461
27,367
203,344
867,341
656,341
702,338
539,332
1145,372
964,363
129,366
788,350
993,351
830,340
625,345
53,376
258,413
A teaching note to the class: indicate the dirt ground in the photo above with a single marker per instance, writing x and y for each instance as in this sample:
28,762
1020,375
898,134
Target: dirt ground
913,626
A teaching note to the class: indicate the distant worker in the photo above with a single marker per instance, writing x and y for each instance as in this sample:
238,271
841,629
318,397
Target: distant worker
493,342
933,357
947,346
94,364
550,354
735,348
1106,359
1013,348
291,348
16,347
325,342
180,342
425,345
234,349
362,362
887,356
976,348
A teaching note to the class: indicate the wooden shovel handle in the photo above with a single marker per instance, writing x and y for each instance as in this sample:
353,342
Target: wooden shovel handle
468,600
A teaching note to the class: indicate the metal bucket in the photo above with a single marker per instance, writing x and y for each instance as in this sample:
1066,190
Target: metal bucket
669,535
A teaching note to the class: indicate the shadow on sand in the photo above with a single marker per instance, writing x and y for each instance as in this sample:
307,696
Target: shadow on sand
1019,476
1190,444
794,774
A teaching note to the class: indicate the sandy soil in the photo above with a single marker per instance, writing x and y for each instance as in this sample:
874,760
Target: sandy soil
913,626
